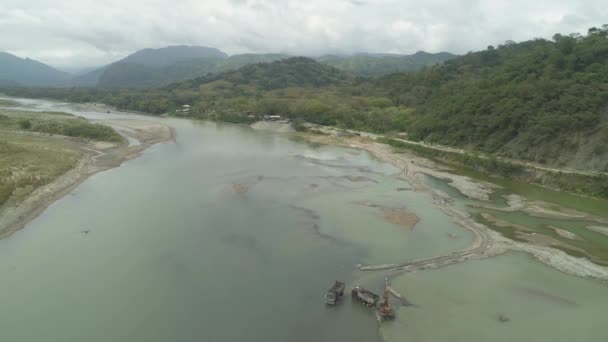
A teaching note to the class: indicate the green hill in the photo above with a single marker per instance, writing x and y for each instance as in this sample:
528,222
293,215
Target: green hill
133,75
373,65
286,73
172,54
155,68
541,100
28,72
150,68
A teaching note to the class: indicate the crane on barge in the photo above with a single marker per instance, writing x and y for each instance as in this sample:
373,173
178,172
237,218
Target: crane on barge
385,311
383,308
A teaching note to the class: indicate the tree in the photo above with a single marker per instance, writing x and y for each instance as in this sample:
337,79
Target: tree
25,124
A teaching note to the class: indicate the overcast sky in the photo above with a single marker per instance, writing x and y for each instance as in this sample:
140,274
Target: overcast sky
67,33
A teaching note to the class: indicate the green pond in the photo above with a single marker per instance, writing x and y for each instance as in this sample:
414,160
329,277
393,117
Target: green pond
174,253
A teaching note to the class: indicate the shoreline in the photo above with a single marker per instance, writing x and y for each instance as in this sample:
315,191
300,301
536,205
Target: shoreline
96,157
486,242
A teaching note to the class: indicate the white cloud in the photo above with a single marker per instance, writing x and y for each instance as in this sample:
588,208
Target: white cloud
87,32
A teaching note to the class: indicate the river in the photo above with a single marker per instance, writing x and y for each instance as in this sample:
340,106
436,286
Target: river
228,234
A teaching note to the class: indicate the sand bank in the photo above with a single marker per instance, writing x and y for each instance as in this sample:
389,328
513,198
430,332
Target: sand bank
96,157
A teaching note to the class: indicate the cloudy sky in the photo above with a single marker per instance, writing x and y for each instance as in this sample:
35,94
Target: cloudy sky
69,33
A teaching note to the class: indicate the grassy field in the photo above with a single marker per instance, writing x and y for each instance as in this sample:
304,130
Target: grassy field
29,160
56,123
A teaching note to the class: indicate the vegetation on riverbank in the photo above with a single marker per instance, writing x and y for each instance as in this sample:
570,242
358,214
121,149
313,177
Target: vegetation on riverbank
29,159
591,185
56,123
28,162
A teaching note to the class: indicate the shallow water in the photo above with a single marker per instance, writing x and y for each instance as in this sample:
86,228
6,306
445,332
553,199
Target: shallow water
464,303
593,243
175,254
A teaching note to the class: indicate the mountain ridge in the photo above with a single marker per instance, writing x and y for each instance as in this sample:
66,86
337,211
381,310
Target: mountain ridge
29,72
136,70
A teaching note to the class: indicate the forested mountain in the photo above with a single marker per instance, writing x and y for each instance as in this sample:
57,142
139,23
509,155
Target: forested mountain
147,67
540,100
27,71
292,72
171,54
151,68
130,75
373,65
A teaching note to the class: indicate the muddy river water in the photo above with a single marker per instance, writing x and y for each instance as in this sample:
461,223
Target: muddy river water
228,234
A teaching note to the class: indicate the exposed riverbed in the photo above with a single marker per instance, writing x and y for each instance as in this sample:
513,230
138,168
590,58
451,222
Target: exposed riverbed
227,234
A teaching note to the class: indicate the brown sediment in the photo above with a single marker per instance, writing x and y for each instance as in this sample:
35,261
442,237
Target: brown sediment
397,216
96,157
401,217
239,188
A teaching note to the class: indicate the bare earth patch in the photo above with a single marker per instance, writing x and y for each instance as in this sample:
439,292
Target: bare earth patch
599,229
566,234
397,216
401,217
240,189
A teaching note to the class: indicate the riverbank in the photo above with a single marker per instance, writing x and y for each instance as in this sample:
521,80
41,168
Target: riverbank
94,157
487,242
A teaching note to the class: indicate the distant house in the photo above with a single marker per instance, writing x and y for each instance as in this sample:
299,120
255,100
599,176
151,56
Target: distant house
272,117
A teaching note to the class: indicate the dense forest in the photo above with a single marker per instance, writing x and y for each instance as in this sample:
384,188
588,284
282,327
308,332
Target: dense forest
538,89
542,100
375,65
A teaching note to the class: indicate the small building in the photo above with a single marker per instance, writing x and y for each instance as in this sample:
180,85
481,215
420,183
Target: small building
272,117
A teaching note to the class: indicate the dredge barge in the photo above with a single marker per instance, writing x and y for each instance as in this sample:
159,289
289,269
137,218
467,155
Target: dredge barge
335,294
383,309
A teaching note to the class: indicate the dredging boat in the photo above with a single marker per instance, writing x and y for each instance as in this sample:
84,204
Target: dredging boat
383,309
335,294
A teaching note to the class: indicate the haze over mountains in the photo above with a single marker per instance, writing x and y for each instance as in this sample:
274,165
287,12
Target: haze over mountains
29,72
157,67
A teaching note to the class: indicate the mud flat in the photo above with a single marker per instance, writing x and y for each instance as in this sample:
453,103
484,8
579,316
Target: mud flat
273,126
96,157
411,165
599,229
487,242
566,234
544,210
